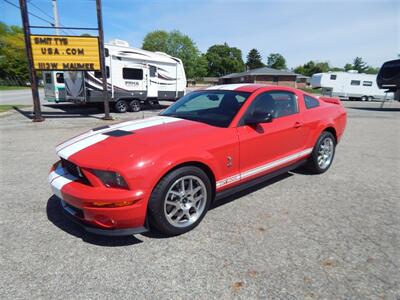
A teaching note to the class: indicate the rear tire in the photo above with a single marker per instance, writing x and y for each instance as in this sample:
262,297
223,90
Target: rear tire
121,106
180,200
135,105
323,153
364,98
370,98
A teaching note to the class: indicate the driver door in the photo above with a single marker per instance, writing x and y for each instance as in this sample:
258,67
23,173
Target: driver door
265,147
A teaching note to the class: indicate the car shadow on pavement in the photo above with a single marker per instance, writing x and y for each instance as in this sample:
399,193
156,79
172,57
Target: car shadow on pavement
249,190
56,215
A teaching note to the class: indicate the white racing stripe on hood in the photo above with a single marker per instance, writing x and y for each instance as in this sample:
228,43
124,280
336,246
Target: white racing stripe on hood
229,87
90,138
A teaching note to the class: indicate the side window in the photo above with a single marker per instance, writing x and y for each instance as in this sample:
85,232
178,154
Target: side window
285,104
355,82
279,104
333,77
132,74
310,102
97,74
60,77
48,78
367,83
153,71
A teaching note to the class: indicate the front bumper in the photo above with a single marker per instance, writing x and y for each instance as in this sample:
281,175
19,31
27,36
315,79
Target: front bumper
78,198
74,215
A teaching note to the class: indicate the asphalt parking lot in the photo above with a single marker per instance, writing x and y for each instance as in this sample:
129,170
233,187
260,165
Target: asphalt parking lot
300,236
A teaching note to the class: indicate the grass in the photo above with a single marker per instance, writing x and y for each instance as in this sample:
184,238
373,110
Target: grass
8,88
7,107
312,91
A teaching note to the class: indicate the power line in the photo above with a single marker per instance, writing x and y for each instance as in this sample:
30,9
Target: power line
43,12
32,14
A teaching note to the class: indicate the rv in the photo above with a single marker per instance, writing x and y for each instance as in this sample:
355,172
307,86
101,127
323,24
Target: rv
389,77
348,86
134,76
54,87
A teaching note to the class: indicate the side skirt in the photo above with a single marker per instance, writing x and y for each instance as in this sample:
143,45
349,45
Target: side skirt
255,181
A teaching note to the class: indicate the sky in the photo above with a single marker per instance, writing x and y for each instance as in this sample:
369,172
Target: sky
333,31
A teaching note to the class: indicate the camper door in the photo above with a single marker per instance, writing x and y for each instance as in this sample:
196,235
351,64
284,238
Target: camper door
152,82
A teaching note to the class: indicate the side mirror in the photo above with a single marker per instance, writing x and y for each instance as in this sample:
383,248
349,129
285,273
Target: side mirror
258,117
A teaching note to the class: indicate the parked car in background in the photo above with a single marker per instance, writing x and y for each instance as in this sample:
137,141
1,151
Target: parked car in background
349,86
166,171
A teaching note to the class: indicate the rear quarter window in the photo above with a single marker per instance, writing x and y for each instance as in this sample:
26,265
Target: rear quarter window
310,102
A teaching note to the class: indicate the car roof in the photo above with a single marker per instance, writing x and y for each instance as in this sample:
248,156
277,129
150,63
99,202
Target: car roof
247,87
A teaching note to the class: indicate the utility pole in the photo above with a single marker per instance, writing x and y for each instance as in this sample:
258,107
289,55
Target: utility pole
55,14
32,74
102,61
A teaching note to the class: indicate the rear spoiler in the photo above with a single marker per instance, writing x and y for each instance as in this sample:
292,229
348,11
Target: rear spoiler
330,100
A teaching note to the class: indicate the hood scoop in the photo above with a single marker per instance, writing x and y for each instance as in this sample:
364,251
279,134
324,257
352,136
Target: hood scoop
118,133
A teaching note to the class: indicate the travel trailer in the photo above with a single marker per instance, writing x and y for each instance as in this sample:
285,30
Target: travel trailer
54,87
349,86
134,76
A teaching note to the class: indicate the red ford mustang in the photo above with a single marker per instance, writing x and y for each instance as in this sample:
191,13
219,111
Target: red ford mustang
165,171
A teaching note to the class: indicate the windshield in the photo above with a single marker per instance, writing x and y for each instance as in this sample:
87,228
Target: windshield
213,107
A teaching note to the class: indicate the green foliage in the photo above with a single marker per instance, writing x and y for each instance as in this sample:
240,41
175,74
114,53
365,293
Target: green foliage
311,67
223,60
254,59
359,65
13,60
178,45
276,61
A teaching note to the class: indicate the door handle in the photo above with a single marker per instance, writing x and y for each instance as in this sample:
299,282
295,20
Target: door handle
297,125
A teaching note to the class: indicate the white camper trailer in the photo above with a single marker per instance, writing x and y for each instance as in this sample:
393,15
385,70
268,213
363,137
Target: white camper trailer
348,86
134,76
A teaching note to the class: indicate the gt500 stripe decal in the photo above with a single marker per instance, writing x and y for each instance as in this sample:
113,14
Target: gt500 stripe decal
92,137
263,168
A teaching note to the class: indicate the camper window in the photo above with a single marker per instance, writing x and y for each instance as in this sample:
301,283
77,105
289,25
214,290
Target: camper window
153,71
48,78
60,77
355,82
133,74
333,77
97,74
367,83
310,102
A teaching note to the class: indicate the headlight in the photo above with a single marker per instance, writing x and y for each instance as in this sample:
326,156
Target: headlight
111,179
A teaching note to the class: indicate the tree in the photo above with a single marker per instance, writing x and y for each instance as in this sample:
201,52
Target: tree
360,65
276,61
254,59
348,67
372,70
13,60
311,67
223,60
178,45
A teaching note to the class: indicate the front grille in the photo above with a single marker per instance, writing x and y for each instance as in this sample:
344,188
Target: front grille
74,170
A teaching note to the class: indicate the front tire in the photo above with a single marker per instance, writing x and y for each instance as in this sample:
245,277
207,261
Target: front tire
364,98
323,153
180,200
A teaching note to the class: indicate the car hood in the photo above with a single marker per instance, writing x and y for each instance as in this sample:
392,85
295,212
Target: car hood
107,146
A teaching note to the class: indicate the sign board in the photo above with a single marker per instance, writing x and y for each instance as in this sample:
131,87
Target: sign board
69,53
